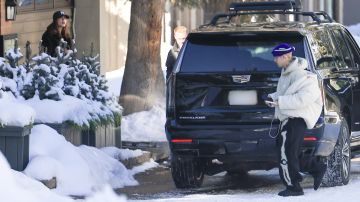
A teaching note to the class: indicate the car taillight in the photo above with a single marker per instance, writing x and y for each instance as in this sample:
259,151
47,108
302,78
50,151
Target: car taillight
181,140
310,138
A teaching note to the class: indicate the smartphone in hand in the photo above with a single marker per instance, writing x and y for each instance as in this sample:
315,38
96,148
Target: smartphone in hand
270,103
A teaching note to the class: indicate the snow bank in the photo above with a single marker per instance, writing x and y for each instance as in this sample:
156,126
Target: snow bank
146,166
121,154
16,187
79,170
106,195
114,80
14,113
145,126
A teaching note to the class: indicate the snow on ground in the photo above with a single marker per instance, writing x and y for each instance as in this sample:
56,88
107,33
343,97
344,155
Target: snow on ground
347,193
17,187
268,192
14,113
106,195
146,126
146,166
114,80
122,154
79,170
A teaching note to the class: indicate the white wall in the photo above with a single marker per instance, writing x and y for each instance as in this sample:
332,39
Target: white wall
114,28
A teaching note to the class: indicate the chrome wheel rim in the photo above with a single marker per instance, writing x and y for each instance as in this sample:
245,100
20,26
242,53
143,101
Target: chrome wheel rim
345,153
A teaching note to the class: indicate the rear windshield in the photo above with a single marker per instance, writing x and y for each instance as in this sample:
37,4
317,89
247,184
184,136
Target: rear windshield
236,52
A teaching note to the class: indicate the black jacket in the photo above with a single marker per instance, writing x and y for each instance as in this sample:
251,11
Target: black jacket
171,59
50,40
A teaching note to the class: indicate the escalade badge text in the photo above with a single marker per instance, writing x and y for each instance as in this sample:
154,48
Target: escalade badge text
241,78
193,117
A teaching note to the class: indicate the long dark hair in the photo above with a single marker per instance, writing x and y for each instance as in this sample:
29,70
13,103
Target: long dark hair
65,32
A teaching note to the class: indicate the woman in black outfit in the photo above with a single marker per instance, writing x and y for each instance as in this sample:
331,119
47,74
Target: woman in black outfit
55,31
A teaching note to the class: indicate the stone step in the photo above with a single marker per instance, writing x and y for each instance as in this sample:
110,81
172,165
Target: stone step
136,161
159,150
51,184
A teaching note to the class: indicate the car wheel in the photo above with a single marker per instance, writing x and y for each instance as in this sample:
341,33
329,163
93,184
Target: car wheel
186,172
339,161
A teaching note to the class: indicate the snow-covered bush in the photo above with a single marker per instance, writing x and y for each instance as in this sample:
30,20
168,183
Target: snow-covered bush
42,83
51,78
12,76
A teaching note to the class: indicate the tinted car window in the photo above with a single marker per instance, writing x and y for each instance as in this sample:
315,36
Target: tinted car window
322,50
345,59
352,46
235,52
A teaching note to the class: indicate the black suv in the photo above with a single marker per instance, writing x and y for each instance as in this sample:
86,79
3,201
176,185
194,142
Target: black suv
216,119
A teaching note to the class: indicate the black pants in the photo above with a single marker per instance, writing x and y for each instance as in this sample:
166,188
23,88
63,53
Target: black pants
289,141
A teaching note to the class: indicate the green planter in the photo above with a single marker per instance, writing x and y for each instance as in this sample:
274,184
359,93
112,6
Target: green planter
118,142
14,144
103,135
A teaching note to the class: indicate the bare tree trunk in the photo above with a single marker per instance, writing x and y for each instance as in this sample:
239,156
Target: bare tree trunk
143,82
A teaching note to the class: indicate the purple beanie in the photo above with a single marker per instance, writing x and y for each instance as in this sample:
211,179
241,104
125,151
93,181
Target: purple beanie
282,49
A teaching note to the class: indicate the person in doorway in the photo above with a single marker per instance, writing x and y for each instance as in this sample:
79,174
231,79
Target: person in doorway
298,105
56,31
180,34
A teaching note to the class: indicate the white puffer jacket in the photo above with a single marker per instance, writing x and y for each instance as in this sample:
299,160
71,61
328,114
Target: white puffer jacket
298,94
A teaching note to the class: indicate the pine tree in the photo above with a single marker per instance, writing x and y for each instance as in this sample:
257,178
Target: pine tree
86,82
69,67
99,89
13,74
70,81
42,81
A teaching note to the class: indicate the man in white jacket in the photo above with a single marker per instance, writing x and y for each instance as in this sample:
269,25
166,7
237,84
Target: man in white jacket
298,105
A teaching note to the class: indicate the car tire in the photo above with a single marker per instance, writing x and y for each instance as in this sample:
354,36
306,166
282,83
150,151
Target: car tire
339,161
186,172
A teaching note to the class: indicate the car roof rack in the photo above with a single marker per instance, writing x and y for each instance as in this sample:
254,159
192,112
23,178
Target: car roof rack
291,7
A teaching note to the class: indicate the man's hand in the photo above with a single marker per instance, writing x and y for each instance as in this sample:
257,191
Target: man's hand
271,103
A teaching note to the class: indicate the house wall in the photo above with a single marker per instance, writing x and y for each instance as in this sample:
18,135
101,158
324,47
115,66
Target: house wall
86,26
106,24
